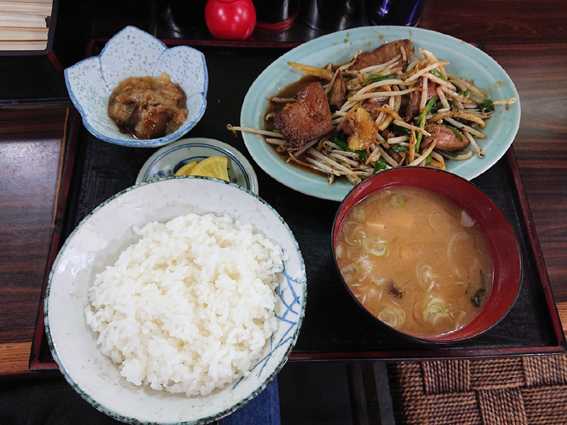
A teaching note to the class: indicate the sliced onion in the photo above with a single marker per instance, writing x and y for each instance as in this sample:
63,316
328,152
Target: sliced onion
351,268
397,200
375,246
374,294
379,294
436,310
425,276
378,281
351,252
353,233
357,271
363,267
348,271
437,221
393,316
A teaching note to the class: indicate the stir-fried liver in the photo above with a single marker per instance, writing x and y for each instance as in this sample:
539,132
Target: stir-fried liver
412,107
447,139
383,54
307,118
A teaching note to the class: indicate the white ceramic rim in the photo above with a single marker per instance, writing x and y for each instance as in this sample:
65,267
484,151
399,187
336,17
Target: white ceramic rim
246,166
284,174
109,412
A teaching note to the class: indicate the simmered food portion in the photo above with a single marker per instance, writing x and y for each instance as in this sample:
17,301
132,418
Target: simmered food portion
388,107
148,107
415,260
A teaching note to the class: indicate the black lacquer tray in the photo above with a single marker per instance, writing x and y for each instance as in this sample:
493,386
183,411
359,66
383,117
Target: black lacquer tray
334,327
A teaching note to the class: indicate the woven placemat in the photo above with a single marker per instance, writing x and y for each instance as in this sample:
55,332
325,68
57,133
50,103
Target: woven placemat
509,391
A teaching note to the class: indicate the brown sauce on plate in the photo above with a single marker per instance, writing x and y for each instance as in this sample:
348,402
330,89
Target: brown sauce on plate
288,91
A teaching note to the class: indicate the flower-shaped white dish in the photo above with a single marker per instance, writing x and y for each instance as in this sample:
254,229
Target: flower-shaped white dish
135,53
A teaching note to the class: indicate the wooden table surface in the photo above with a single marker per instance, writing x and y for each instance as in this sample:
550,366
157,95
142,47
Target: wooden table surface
528,38
30,146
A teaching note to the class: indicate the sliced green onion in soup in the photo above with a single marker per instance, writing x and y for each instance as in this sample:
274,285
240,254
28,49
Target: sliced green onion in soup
438,221
397,200
375,246
378,281
353,233
393,316
357,271
425,276
358,213
363,268
348,270
374,294
436,310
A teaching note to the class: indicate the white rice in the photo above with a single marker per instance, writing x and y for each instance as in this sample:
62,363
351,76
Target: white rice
190,306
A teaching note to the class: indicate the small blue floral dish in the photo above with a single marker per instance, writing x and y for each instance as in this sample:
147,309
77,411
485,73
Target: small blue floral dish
164,163
135,53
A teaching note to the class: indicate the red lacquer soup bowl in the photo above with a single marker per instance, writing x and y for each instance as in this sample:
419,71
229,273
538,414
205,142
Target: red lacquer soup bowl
502,243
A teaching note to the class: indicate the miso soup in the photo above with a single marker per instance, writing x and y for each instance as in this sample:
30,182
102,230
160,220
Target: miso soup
415,260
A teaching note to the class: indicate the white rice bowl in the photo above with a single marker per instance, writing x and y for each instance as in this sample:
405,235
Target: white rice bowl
129,356
190,306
